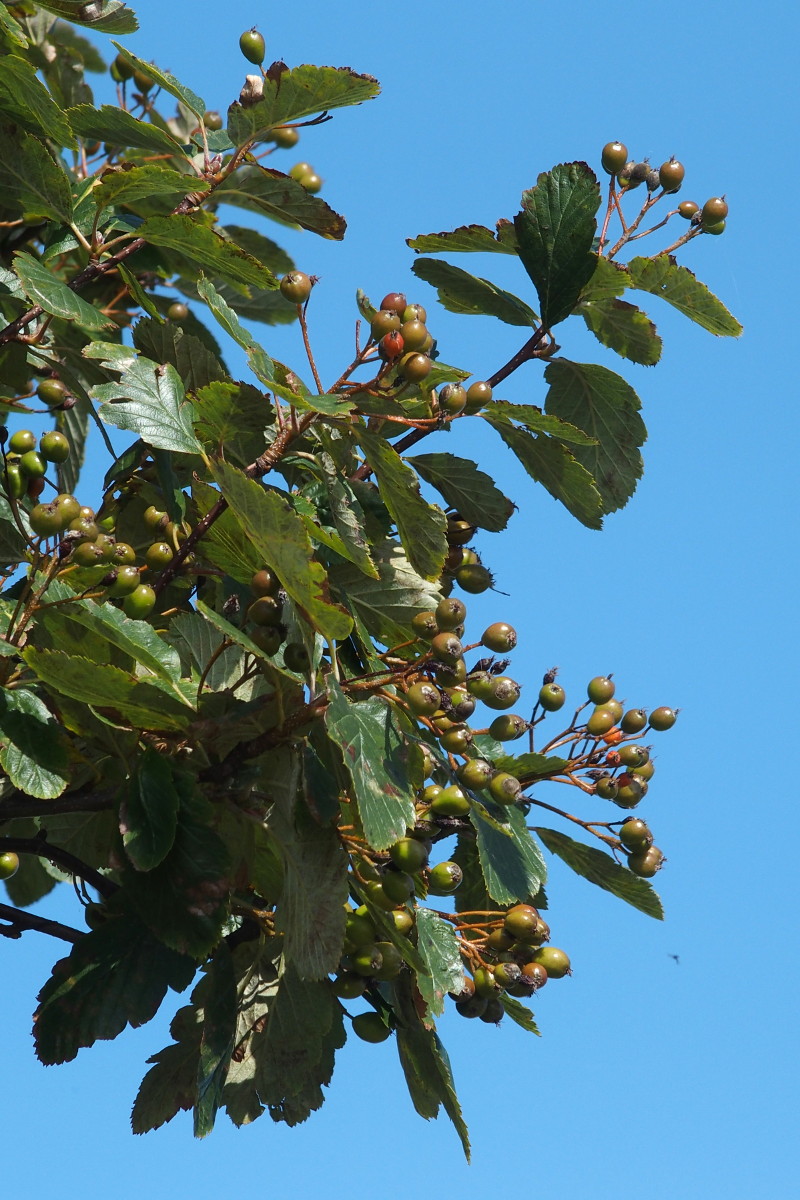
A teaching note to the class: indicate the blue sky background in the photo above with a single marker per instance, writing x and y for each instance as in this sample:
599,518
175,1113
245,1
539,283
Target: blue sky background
652,1079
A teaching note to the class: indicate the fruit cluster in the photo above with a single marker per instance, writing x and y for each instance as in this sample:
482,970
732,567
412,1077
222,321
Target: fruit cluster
669,178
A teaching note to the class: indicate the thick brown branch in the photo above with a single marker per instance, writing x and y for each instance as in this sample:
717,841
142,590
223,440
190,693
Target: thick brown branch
19,921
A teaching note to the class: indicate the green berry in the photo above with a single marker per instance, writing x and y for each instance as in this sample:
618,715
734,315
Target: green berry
504,692
688,208
452,399
212,120
348,986
635,835
450,613
9,864
296,287
713,211
670,175
140,603
285,136
504,788
424,699
451,801
159,555
475,774
409,854
613,157
646,863
444,878
22,441
253,46
633,721
552,697
600,689
554,961
414,367
397,885
662,718
32,464
54,446
478,395
508,727
53,392
499,637
178,311
601,721
521,922
126,581
474,578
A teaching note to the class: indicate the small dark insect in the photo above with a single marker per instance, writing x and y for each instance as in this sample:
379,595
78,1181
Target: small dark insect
675,956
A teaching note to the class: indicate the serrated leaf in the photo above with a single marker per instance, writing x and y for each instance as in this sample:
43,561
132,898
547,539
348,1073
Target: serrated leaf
263,248
421,526
206,249
294,1055
26,100
604,871
532,417
11,29
466,239
106,16
624,328
12,544
226,545
120,128
63,35
116,975
607,408
551,464
279,536
609,279
439,949
56,297
33,750
171,1084
374,753
662,276
149,400
387,604
513,868
347,515
149,811
461,292
273,194
32,881
555,231
218,1038
90,836
164,80
161,342
311,910
133,183
232,419
299,92
30,180
260,362
530,767
464,487
519,1014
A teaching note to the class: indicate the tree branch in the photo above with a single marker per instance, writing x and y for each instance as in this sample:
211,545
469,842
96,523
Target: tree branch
61,858
20,921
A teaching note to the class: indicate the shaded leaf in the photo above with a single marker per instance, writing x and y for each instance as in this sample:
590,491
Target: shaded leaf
264,249
218,1038
282,198
161,342
33,749
116,975
106,16
555,231
226,544
32,881
348,516
461,292
11,29
374,754
56,297
608,280
537,421
662,276
467,238
27,101
149,812
206,248
232,419
133,183
421,526
278,534
119,128
164,80
512,867
551,464
299,92
466,488
171,1084
600,868
624,328
530,767
12,544
439,949
604,405
31,182
387,604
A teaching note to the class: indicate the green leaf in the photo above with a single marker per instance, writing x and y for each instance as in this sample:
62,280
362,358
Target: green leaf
206,248
311,910
26,100
12,545
439,948
119,128
161,342
624,328
32,881
530,767
31,182
519,1014
232,418
130,183
607,408
11,29
149,812
264,249
164,80
106,16
149,400
273,194
460,292
600,868
295,1053
532,417
555,231
465,488
184,899
260,362
374,754
90,836
551,464
280,537
387,604
171,1084
513,867
34,751
64,36
226,545
663,277
56,297
299,92
348,516
426,1066
421,526
608,280
115,976
467,239
218,1038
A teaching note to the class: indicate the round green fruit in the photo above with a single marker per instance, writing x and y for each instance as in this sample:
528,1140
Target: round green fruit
54,446
140,603
414,367
409,854
370,1027
178,311
265,583
143,81
504,788
397,885
671,174
478,395
126,581
613,157
85,530
554,961
508,727
456,740
124,69
474,578
158,555
424,699
366,960
32,465
285,136
9,864
633,721
633,756
635,835
295,657
266,611
688,208
663,718
450,613
716,230
535,975
46,519
600,689
348,986
452,399
646,863
499,637
600,721
504,693
212,120
392,963
629,792
552,697
521,922
385,321
14,483
444,878
296,287
713,211
475,774
53,392
21,441
606,787
311,182
253,46
447,648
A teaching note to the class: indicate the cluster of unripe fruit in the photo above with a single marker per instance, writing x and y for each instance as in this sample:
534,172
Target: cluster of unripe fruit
669,177
264,617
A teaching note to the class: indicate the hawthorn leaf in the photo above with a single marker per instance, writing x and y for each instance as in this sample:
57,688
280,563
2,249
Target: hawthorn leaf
149,811
218,1038
532,417
278,196
460,292
555,231
512,867
26,100
606,407
164,80
466,488
11,29
387,604
439,948
374,754
466,239
295,93
31,181
120,128
33,748
232,419
195,362
624,328
664,277
609,279
530,767
170,1085
604,871
149,400
132,183
206,249
55,296
106,16
519,1014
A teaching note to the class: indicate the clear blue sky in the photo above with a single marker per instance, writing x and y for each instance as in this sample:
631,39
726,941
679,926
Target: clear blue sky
652,1079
